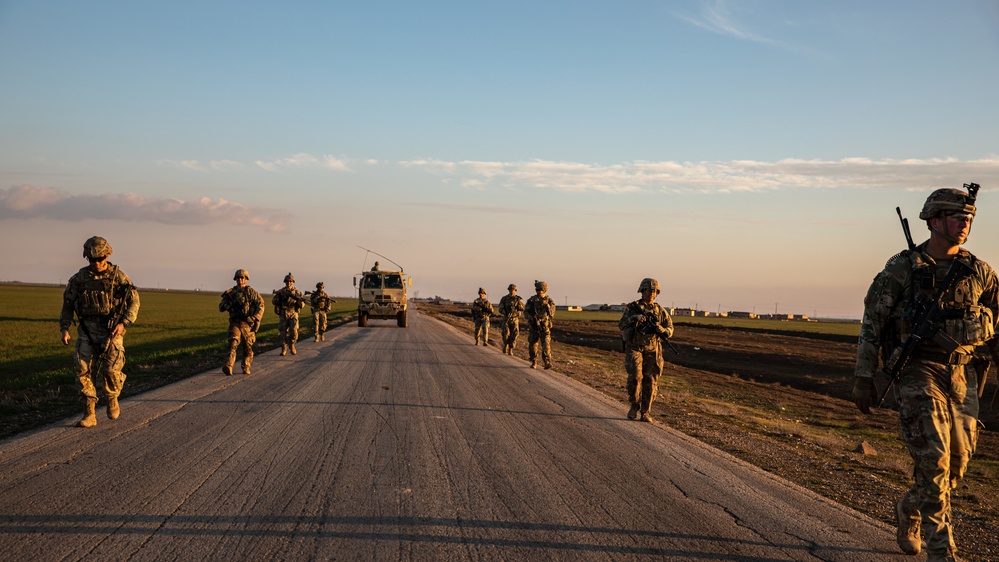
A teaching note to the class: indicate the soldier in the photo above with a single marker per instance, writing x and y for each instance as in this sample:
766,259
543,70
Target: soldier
644,324
511,306
105,303
375,267
539,312
245,307
321,303
287,302
937,392
482,309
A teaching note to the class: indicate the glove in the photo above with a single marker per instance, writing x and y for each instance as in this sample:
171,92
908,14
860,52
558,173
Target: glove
865,394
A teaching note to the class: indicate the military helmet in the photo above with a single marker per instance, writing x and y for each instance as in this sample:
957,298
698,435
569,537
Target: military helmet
289,277
649,283
540,285
96,248
320,285
947,199
512,287
241,273
482,291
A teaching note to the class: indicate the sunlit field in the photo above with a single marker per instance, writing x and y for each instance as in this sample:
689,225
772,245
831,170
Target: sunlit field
833,328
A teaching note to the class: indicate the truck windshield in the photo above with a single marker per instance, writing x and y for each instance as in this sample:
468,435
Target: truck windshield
393,281
372,282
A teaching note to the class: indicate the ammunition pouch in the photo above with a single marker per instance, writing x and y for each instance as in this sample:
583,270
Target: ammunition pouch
959,357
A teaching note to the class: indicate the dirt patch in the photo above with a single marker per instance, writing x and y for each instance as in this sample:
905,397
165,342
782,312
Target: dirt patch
781,402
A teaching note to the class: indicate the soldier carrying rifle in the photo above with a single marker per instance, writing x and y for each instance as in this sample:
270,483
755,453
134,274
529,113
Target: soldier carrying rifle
321,304
931,314
105,303
245,307
288,301
644,325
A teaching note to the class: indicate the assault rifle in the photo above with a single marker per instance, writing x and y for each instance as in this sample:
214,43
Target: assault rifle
650,325
927,316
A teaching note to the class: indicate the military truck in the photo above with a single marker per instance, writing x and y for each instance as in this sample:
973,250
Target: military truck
382,294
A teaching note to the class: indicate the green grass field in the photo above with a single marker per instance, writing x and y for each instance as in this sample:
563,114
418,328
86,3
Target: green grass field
177,334
828,328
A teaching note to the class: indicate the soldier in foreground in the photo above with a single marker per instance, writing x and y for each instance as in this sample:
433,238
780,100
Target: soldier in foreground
288,301
321,304
482,309
937,390
105,303
540,312
511,306
245,307
644,324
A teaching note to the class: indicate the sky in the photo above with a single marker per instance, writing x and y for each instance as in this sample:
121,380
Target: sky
749,155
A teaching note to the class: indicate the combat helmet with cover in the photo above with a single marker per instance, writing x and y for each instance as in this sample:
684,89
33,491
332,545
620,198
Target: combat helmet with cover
289,277
540,286
96,248
512,287
320,285
649,284
241,273
950,199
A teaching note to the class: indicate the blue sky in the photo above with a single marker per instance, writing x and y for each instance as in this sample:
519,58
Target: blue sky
747,154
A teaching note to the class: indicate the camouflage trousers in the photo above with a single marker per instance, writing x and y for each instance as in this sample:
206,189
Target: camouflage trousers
288,328
540,336
320,318
511,331
938,410
109,369
241,335
644,367
482,330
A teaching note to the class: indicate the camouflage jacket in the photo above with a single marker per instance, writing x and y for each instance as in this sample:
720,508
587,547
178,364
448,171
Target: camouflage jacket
644,325
511,306
99,299
540,311
482,309
320,301
287,302
244,304
971,306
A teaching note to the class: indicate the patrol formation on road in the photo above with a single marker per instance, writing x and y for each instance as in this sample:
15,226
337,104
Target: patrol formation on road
929,322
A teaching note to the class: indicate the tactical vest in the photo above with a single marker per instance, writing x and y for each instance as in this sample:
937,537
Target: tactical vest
967,322
95,297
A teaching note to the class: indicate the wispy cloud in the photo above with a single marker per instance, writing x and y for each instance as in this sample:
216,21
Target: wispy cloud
27,201
303,160
714,177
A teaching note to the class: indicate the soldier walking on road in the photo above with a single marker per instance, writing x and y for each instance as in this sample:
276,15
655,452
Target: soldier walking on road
644,324
245,307
482,309
540,312
511,306
288,301
105,303
938,389
321,304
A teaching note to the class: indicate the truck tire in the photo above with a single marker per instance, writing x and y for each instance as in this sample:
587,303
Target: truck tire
362,320
401,319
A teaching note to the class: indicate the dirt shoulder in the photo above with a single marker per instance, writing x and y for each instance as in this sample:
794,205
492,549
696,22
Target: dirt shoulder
781,402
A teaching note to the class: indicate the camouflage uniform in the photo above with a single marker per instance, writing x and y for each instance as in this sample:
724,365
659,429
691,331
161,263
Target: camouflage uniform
937,392
511,306
540,312
643,326
288,301
321,303
246,308
100,300
482,309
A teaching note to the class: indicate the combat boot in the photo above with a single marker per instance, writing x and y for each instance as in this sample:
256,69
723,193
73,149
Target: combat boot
548,364
534,363
89,417
317,338
322,337
284,349
246,369
114,410
646,417
292,348
227,369
633,412
908,529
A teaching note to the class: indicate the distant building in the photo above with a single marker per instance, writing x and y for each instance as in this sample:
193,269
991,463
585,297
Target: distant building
740,314
569,308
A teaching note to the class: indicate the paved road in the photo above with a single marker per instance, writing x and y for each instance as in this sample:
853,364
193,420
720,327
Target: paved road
384,444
